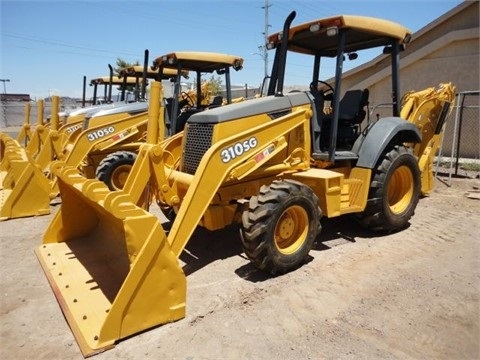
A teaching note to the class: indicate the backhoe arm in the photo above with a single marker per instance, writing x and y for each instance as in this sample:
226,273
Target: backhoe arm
428,110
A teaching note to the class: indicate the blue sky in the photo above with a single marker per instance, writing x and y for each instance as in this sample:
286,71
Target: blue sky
48,46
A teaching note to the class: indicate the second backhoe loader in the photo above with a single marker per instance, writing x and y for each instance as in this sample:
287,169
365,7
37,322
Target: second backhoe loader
116,133
69,121
274,165
26,183
114,168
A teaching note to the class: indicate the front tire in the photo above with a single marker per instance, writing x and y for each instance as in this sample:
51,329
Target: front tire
394,192
280,226
114,169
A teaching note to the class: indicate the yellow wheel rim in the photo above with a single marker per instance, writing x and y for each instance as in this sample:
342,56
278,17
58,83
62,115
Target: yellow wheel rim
291,230
400,190
120,175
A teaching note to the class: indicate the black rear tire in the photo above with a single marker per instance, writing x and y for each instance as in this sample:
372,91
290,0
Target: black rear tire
114,169
280,226
394,191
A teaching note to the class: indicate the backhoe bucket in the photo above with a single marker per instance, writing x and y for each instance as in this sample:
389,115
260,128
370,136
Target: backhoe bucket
24,190
109,264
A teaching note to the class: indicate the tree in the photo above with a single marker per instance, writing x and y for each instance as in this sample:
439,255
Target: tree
214,85
122,64
210,88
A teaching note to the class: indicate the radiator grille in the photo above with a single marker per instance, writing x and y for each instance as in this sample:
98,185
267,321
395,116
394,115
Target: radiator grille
198,141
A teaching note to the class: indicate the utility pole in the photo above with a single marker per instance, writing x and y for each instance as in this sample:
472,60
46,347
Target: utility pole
265,33
4,87
4,98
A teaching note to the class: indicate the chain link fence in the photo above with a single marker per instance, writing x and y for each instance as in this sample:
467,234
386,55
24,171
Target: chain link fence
459,154
12,113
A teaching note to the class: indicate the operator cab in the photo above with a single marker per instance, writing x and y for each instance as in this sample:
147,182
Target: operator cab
336,122
201,63
135,75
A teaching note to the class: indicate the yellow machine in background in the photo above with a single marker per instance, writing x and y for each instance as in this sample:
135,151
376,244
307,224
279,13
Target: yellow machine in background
31,141
114,168
106,144
18,169
28,185
25,133
274,165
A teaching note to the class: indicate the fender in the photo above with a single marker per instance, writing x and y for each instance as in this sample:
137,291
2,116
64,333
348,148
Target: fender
373,141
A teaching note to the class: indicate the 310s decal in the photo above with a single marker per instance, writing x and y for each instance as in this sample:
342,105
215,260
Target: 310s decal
97,134
72,128
238,149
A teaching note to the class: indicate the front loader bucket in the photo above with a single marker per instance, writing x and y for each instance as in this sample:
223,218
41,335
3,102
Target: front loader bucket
109,264
24,189
7,144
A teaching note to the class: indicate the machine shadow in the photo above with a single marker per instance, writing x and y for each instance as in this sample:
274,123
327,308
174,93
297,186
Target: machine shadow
207,246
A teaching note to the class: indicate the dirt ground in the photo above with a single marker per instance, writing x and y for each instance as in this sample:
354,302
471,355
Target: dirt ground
410,295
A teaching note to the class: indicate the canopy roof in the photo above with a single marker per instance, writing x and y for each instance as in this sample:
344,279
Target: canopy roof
116,80
199,61
361,33
137,70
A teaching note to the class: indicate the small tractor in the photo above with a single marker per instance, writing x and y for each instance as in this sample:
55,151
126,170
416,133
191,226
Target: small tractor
274,166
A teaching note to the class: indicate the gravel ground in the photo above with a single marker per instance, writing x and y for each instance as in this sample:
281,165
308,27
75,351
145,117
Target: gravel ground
409,295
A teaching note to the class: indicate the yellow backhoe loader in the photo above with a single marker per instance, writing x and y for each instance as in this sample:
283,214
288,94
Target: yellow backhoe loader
70,121
23,187
116,132
274,165
113,169
27,184
59,131
66,125
108,153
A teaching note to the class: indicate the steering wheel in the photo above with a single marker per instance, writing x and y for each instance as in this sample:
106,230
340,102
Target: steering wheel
325,94
187,99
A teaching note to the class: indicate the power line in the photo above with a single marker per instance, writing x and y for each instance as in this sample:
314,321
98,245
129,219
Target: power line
58,51
59,43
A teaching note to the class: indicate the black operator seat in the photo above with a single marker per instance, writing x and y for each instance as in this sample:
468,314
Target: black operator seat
352,113
352,107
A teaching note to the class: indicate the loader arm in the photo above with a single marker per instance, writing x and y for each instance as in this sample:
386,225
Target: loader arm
92,137
39,133
69,133
25,133
150,162
213,172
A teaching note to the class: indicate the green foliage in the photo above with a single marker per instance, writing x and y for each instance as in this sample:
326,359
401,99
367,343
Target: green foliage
470,166
215,85
121,64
